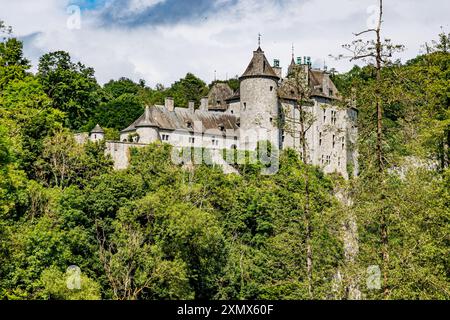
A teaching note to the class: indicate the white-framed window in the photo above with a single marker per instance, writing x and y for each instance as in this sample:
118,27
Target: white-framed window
165,137
215,142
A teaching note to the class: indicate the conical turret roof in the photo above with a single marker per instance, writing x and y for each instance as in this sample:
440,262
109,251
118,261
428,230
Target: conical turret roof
259,66
97,129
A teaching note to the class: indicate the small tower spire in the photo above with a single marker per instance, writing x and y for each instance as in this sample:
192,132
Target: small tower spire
293,51
259,40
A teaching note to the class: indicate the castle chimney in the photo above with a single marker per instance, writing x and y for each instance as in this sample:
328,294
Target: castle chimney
204,104
169,104
147,114
191,106
276,67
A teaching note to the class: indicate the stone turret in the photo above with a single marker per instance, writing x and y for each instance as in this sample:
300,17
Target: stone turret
97,134
146,128
259,103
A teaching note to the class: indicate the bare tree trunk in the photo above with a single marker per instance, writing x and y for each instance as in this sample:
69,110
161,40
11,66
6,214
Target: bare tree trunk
309,253
384,223
378,92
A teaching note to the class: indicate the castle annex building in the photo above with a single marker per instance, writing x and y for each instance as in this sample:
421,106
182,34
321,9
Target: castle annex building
264,108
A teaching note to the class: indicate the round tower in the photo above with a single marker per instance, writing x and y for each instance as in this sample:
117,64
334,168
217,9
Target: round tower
146,128
259,103
97,134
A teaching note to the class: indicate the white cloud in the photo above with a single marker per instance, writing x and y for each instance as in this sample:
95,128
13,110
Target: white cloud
221,40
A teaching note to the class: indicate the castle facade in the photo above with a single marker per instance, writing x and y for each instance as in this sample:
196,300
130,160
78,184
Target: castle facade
264,108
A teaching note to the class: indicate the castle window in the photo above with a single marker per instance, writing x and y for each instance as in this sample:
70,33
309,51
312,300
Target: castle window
322,160
330,92
324,115
320,138
343,143
333,117
339,161
232,112
191,140
271,89
165,137
334,140
189,124
245,105
215,142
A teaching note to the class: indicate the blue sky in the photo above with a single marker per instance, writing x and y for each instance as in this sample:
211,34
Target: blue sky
161,40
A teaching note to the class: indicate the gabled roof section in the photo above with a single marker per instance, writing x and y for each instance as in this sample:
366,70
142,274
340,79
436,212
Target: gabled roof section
322,85
218,95
259,66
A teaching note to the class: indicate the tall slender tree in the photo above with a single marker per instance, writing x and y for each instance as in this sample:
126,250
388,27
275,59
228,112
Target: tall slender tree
377,52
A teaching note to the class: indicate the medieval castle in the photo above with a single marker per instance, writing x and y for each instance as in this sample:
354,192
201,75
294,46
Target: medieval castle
240,119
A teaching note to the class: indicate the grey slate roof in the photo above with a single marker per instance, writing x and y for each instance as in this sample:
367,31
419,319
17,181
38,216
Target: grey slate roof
259,66
183,119
316,81
218,95
97,129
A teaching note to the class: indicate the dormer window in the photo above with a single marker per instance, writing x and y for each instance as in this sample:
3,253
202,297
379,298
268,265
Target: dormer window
189,124
330,92
222,127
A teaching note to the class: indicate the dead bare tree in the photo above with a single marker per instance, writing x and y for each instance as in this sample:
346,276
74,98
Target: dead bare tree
377,52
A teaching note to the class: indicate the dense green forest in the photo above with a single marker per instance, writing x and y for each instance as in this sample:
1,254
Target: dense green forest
158,231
